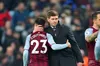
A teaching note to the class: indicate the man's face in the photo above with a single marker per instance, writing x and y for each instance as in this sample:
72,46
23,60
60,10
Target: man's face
53,20
21,7
1,6
38,27
98,20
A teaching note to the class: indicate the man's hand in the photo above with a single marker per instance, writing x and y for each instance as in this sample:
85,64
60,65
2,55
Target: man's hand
79,64
98,60
69,45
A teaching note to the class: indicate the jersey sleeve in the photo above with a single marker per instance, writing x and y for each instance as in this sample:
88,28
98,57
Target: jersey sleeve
53,45
88,32
27,42
25,57
25,53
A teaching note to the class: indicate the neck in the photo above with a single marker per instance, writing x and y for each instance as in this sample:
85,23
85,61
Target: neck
37,30
53,26
95,26
34,31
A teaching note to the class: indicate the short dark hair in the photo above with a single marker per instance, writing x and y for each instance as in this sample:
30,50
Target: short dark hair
94,15
51,13
20,3
40,21
2,2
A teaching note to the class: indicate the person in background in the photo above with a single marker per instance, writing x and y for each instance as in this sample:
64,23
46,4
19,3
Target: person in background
68,56
4,15
97,47
85,58
20,15
90,37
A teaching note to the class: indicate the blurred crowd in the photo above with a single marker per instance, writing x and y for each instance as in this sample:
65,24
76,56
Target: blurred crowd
17,18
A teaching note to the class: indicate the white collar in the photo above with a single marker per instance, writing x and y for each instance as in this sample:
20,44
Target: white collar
53,26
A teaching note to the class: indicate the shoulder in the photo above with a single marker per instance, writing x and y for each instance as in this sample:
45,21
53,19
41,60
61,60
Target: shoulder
64,27
88,31
29,36
47,29
16,13
48,35
6,11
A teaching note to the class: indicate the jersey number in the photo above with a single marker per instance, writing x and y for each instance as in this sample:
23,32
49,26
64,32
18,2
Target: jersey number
34,51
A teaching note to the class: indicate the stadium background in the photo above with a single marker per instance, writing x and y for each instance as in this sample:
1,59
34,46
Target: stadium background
17,18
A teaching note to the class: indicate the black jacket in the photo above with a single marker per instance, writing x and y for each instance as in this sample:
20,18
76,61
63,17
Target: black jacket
61,56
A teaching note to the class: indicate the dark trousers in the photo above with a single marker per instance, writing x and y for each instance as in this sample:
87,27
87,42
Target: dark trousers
65,61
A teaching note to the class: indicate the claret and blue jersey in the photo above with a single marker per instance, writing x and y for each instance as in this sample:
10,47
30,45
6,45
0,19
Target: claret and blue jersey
36,46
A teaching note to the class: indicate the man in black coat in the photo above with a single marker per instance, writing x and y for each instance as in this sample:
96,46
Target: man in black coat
68,56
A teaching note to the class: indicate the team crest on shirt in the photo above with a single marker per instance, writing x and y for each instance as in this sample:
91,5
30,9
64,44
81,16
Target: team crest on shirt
95,39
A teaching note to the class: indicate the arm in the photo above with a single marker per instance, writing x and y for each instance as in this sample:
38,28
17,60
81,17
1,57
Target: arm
8,16
89,35
55,46
25,57
25,53
14,20
74,45
97,47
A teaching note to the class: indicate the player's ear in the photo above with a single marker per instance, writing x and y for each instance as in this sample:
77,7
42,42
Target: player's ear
35,24
47,19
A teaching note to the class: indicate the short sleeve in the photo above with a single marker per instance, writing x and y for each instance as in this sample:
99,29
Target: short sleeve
27,42
53,45
50,39
88,32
